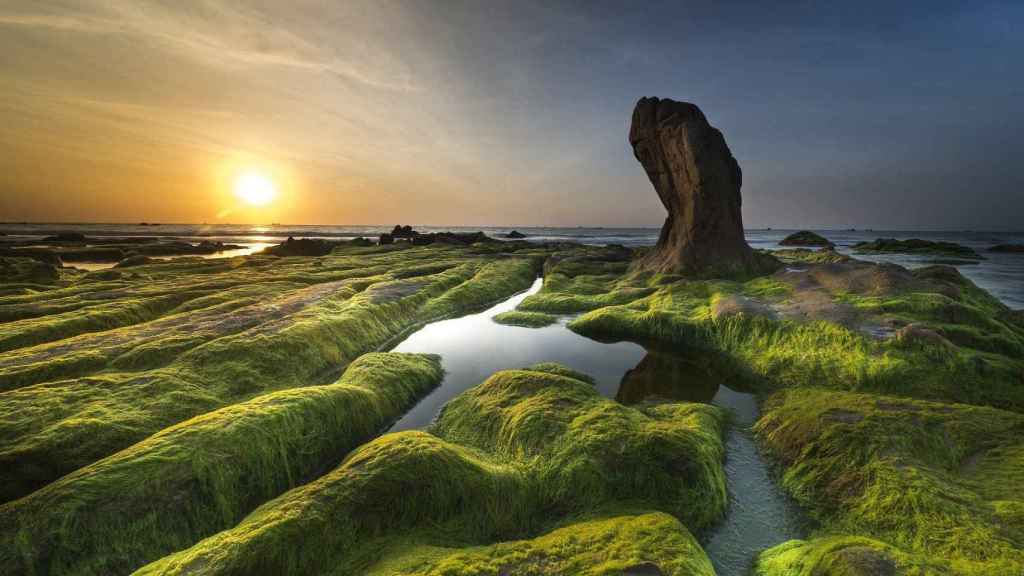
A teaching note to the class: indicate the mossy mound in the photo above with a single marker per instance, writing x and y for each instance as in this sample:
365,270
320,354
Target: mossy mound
134,260
808,256
517,456
917,246
845,556
805,238
822,325
93,366
1008,248
21,271
936,480
525,319
203,475
641,544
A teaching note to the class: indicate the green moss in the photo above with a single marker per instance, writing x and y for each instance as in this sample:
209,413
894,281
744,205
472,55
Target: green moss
917,246
245,327
203,475
935,480
845,556
525,319
602,546
808,256
519,455
780,350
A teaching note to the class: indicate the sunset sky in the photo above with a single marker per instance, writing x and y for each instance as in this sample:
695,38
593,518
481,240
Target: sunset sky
505,113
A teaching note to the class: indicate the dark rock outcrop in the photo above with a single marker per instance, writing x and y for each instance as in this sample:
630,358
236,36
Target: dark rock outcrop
515,234
66,237
134,260
1008,248
302,247
406,231
698,181
805,238
917,246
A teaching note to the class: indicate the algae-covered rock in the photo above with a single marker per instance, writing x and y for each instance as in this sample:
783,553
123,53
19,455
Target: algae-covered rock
1007,248
28,270
650,544
845,556
93,367
516,458
525,319
203,475
930,479
135,260
917,246
805,238
302,247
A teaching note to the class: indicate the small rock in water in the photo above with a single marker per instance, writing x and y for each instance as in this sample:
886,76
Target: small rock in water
1008,248
805,238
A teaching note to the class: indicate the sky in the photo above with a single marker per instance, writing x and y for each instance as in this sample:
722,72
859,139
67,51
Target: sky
888,115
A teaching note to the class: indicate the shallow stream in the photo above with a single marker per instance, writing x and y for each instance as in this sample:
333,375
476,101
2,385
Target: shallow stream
474,347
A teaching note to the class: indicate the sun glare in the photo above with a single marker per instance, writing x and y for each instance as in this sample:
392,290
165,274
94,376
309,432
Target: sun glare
254,188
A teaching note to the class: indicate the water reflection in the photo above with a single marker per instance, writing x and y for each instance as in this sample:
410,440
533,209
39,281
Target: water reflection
474,347
667,376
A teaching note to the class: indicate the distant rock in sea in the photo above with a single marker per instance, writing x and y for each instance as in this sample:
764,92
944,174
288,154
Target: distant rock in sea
805,238
917,246
515,234
302,247
1008,248
698,181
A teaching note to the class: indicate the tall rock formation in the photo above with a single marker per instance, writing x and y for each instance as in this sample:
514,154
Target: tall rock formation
698,181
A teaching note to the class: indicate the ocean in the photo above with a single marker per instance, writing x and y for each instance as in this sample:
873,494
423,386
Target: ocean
1001,274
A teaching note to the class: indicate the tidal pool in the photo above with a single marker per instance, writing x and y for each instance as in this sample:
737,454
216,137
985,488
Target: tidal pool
474,347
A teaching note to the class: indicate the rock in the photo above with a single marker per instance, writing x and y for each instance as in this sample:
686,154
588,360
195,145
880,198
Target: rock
735,305
41,255
643,569
698,181
1008,248
65,237
403,232
385,238
19,269
805,238
864,561
917,246
915,334
301,247
135,260
515,234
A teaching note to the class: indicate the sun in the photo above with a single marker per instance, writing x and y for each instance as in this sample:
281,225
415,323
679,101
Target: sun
255,189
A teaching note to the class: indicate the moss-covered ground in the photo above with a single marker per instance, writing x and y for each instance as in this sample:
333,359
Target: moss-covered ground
531,472
190,414
894,399
203,475
90,367
525,319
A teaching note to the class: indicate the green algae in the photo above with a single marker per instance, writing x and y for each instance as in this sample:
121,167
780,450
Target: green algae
519,455
917,246
825,346
845,556
203,475
245,326
935,480
592,547
525,319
